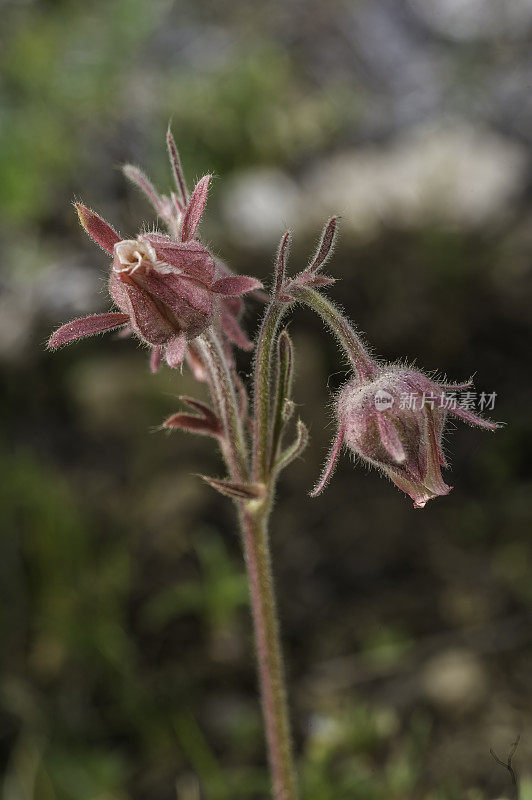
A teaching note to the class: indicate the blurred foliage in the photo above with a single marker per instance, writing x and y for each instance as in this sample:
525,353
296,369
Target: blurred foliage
256,111
216,598
64,65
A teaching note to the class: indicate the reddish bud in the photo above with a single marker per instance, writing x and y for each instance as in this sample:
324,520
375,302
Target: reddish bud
404,440
168,292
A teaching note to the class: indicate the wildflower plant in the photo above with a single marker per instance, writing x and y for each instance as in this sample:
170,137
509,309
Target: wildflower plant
185,305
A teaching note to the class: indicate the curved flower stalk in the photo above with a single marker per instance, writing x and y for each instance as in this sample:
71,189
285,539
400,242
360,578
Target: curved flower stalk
182,302
403,440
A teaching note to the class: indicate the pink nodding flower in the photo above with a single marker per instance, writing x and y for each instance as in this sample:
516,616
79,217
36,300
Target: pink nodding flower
395,422
168,291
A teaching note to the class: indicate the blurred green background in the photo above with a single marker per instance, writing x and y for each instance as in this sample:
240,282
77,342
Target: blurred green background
127,667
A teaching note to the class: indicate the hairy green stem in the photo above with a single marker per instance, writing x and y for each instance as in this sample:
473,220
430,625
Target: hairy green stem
282,394
340,326
253,517
262,389
224,394
256,547
269,658
254,523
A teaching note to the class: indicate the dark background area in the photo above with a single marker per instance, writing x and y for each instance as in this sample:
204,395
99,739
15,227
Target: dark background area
127,667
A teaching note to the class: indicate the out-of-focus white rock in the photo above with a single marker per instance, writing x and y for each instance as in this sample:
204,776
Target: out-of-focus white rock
446,172
454,680
259,205
464,20
55,292
449,173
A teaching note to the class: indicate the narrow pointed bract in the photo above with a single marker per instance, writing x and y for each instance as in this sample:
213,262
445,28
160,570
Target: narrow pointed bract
280,264
236,490
330,464
310,276
192,424
137,177
235,285
295,449
203,408
156,357
194,209
86,326
325,246
177,170
175,350
205,421
97,228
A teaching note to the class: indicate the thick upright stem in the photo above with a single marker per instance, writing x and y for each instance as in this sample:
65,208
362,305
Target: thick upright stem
340,326
269,659
253,518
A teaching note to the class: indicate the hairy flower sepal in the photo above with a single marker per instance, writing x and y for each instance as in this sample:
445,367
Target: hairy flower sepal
395,423
237,490
169,292
204,422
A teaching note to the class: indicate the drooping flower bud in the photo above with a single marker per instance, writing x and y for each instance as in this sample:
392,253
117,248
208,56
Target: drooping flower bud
395,422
